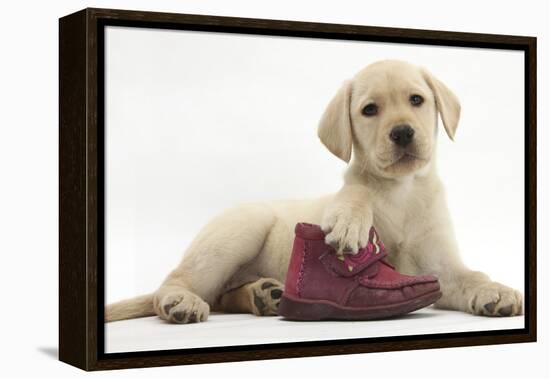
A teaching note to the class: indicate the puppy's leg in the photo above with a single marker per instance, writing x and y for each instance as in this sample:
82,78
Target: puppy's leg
260,298
228,242
348,218
473,292
463,289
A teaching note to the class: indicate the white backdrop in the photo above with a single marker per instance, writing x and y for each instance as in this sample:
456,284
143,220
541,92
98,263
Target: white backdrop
197,122
29,164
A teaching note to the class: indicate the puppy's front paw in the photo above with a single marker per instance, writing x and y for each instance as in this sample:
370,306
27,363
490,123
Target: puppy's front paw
495,299
347,231
182,307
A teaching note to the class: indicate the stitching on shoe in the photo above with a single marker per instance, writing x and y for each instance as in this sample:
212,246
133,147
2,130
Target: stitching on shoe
301,272
379,284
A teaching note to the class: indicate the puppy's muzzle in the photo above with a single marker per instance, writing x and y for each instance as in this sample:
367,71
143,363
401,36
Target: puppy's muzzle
402,135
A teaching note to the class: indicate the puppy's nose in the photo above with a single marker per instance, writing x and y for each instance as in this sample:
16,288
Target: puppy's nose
402,135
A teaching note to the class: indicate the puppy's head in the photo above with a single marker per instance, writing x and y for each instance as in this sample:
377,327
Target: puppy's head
387,114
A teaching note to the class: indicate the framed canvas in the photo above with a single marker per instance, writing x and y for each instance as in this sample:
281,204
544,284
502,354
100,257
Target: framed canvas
169,123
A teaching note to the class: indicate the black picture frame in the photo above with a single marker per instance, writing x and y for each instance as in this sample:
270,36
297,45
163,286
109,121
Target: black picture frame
81,192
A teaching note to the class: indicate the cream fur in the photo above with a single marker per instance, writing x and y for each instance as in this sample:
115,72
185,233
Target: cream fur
403,198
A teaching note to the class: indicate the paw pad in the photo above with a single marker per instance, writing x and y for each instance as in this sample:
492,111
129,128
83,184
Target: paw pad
276,293
169,306
180,316
506,311
490,307
259,303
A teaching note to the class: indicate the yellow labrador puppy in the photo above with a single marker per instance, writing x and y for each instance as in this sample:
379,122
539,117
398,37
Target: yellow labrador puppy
384,122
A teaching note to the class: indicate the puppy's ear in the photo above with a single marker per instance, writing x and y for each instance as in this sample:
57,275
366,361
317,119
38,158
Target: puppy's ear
446,102
335,125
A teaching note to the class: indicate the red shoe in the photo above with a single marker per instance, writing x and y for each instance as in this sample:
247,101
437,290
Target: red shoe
321,285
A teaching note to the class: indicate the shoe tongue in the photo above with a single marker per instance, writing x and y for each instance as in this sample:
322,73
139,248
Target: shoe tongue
374,247
350,265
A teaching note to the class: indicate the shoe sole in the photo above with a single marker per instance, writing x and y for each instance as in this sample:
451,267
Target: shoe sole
316,310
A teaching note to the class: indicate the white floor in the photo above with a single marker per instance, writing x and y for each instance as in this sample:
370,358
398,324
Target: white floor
151,333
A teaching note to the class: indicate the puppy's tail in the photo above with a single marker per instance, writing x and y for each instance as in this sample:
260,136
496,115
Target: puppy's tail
141,306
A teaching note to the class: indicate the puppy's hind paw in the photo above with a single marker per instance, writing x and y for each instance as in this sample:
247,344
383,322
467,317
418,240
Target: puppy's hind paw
265,295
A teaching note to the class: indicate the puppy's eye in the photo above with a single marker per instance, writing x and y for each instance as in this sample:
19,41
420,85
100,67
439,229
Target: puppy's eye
416,100
370,109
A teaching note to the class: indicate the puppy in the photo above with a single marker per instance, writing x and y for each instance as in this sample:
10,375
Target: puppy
384,123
